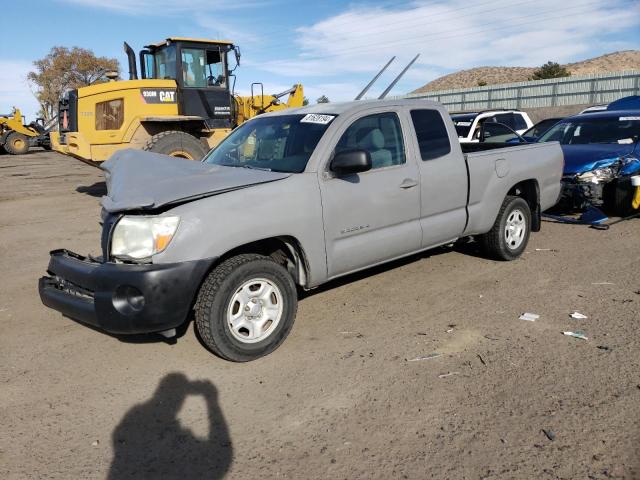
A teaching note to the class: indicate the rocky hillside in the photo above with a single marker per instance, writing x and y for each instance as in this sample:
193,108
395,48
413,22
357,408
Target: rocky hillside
611,62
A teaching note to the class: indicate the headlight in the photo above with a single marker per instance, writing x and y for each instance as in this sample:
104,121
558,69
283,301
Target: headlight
598,175
139,237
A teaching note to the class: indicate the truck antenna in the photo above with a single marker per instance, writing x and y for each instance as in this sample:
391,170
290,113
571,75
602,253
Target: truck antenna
373,80
395,80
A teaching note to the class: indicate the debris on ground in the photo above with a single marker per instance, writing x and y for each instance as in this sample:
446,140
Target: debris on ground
603,283
482,359
546,250
349,334
578,316
604,347
491,337
425,357
577,334
448,374
95,443
549,434
529,317
451,327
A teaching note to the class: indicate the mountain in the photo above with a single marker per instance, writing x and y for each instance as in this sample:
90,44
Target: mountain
611,62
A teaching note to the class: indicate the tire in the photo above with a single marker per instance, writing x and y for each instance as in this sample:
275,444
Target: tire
16,144
509,235
176,144
620,198
228,292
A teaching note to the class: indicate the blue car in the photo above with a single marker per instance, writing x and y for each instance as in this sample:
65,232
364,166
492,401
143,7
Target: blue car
601,154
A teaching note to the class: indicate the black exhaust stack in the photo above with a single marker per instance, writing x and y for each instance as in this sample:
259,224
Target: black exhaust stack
133,70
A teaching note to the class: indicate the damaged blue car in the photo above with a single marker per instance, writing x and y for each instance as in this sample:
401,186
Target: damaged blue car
601,156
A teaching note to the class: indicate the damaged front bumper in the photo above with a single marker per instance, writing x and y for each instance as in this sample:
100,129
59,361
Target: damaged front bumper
121,298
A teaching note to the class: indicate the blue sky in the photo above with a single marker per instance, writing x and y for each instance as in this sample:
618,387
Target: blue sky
332,47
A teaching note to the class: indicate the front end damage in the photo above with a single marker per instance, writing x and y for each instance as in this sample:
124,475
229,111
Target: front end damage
598,186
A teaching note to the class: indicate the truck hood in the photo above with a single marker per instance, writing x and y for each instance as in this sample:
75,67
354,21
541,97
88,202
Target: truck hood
143,180
584,158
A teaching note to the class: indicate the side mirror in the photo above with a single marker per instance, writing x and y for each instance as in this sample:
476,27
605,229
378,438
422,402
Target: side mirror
351,161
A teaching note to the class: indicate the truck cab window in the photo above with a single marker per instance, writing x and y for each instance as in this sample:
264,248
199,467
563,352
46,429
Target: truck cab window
380,135
431,133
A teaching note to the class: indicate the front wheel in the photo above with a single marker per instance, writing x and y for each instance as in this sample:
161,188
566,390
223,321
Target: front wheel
246,307
509,235
16,144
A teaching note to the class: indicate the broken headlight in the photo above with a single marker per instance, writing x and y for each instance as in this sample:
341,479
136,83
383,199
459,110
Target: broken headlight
140,237
598,175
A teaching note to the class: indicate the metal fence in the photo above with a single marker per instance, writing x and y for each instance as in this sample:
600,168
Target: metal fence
556,92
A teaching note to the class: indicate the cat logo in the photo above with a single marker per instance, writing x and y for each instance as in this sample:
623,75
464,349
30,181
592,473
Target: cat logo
158,95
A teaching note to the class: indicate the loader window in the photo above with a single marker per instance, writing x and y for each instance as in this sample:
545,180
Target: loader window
202,68
165,63
110,114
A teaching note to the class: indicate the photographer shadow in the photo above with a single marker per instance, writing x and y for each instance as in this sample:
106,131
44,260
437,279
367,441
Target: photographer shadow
150,442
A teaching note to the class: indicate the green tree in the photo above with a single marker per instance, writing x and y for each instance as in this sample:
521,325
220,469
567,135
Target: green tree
323,99
550,70
305,101
482,83
64,69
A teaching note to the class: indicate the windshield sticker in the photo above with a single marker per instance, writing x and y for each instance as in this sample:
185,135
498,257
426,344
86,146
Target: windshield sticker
624,119
463,124
625,141
317,118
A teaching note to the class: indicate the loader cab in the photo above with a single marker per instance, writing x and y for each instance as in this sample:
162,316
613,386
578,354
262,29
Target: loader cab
201,71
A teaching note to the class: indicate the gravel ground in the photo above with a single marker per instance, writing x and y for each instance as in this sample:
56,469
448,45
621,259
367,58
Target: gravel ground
343,397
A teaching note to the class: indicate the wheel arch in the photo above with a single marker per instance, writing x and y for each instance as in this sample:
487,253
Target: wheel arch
284,249
529,190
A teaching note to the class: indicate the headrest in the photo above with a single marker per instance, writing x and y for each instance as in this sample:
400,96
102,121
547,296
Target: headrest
372,140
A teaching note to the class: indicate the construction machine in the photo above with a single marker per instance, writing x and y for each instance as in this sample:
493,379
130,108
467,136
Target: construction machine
16,137
182,104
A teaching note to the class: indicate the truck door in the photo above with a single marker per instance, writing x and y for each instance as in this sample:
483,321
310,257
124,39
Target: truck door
204,91
372,216
443,179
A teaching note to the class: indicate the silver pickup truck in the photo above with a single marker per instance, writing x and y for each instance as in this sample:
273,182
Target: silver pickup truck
292,200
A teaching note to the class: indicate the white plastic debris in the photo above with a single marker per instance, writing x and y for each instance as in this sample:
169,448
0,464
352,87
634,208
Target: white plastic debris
578,334
529,317
426,357
578,316
449,374
603,283
95,443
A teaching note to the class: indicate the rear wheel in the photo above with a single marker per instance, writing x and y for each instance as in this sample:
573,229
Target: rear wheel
246,307
16,144
176,144
509,235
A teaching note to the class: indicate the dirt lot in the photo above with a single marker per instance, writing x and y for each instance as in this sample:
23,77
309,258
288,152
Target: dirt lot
339,399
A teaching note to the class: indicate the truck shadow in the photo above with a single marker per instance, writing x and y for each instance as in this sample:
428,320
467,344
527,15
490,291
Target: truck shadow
150,442
98,189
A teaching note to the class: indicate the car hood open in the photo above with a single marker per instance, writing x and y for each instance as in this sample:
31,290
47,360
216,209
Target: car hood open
142,180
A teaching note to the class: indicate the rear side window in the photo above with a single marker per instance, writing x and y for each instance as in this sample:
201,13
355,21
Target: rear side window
506,119
380,135
519,122
431,133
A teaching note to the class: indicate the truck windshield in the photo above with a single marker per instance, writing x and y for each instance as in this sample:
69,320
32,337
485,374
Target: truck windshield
463,123
623,128
281,143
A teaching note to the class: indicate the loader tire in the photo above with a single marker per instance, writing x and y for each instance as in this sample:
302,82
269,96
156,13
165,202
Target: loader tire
509,235
176,144
16,144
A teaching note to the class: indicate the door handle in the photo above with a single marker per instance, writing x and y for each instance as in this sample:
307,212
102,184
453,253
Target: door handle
408,183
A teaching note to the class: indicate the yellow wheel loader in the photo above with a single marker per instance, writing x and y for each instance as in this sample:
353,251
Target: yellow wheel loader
182,104
16,137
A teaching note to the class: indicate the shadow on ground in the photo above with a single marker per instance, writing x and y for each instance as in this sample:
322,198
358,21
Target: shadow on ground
98,189
150,442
